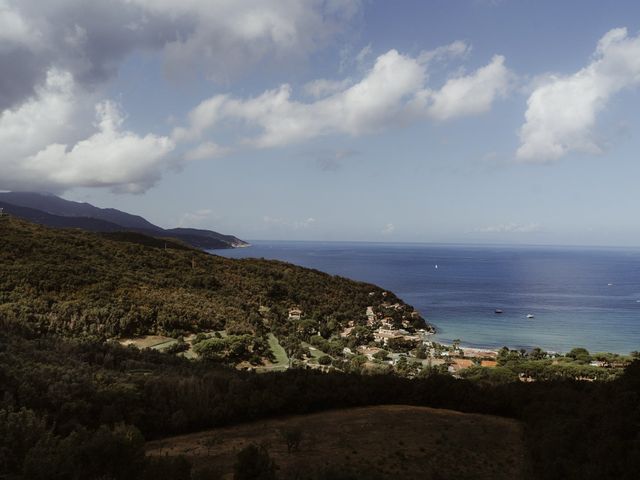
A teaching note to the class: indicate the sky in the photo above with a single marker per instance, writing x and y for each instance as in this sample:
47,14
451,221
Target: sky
478,121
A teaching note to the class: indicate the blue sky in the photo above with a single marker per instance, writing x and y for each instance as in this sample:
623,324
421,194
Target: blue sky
430,121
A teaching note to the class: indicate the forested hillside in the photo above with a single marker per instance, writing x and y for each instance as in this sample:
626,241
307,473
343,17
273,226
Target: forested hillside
123,284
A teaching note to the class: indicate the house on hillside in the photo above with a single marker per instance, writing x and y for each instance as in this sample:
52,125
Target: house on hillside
371,317
295,314
383,335
369,352
346,332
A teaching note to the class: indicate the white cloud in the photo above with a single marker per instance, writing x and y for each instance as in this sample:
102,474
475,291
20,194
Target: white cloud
42,150
471,94
220,38
53,53
511,228
388,229
14,29
111,157
562,110
225,36
45,118
323,87
364,107
453,50
391,93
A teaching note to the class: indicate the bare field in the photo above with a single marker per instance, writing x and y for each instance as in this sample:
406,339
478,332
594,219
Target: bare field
149,341
391,441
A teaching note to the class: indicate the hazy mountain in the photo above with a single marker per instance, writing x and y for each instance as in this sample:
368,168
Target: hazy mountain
44,218
48,209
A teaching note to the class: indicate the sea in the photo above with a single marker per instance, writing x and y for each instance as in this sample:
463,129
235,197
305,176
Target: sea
579,297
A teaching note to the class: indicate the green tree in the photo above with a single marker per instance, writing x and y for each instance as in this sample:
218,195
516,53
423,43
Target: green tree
381,355
292,438
324,360
580,355
254,463
421,352
537,354
19,432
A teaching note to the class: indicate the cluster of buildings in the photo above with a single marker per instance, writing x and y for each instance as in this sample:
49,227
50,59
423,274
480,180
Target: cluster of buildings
391,323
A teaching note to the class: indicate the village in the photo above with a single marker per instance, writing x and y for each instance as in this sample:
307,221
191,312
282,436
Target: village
388,338
398,344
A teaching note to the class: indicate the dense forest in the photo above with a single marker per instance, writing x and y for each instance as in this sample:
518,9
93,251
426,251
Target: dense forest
82,409
123,284
76,406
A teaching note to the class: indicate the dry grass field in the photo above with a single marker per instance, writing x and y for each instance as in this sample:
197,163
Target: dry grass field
149,341
389,442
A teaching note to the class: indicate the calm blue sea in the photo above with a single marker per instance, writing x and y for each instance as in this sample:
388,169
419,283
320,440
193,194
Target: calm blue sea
580,296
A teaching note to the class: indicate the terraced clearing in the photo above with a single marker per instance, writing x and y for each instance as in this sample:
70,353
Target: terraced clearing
388,442
315,353
157,342
281,358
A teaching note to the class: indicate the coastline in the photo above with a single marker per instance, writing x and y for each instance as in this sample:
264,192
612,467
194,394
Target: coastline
459,298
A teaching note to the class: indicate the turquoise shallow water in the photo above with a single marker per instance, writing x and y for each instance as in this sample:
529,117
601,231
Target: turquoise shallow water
579,296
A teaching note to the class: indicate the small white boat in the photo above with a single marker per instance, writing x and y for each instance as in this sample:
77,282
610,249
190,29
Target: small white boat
530,315
436,266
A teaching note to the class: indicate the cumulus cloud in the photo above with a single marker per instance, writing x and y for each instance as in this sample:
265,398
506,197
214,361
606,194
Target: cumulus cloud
111,157
391,93
511,228
42,149
218,37
14,29
50,115
469,94
562,110
225,36
56,56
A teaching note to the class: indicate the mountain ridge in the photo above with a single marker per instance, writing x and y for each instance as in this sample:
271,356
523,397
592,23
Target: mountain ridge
51,210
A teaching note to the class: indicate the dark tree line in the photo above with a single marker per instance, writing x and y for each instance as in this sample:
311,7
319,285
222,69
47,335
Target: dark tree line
58,394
